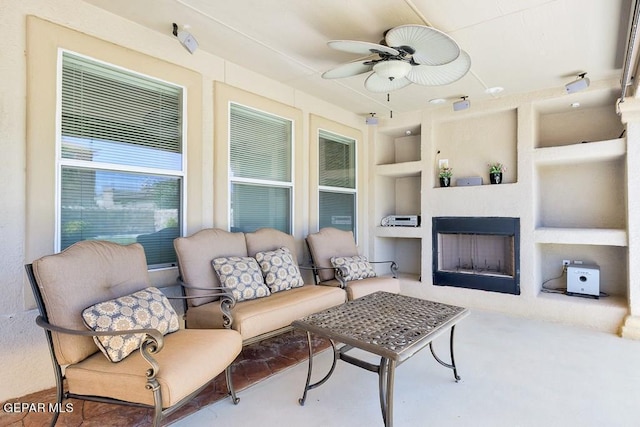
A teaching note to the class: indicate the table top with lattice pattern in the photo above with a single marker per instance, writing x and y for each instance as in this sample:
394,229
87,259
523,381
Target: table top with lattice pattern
389,325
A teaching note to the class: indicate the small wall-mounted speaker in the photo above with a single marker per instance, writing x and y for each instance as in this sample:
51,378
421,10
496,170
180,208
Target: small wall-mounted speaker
577,85
461,105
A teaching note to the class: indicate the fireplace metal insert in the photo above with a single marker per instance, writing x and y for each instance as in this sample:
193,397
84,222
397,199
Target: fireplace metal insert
477,253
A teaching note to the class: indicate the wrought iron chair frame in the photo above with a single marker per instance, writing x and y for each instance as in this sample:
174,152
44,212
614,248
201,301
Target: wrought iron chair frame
152,344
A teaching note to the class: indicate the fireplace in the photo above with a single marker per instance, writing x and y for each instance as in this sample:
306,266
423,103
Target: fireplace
477,253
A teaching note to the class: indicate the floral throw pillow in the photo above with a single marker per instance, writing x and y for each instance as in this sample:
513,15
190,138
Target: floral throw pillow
242,276
145,309
356,267
279,270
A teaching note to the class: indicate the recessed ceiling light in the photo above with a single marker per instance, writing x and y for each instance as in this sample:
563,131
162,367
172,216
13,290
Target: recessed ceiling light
437,101
494,90
575,104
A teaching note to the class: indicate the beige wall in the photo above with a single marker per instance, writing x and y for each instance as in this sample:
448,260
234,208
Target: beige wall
33,32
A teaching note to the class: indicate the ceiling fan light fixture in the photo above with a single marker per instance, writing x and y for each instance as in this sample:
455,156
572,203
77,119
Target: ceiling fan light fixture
392,69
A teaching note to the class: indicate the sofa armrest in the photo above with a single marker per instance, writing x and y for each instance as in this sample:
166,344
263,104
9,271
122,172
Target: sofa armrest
393,267
227,301
151,344
315,269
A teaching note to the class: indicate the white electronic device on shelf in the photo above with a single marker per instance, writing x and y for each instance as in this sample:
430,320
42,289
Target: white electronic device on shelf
583,279
401,221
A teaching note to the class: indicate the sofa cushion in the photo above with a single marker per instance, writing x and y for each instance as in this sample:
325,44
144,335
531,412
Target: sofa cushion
209,352
269,239
145,309
195,254
360,288
85,273
260,316
327,243
355,267
242,275
279,270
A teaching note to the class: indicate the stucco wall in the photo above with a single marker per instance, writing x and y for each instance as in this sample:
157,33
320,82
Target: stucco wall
24,361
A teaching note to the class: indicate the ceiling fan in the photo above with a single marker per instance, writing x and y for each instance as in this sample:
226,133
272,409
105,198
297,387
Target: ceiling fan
408,54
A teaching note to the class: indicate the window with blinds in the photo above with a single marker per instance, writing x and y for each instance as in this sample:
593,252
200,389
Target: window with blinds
337,180
120,159
261,167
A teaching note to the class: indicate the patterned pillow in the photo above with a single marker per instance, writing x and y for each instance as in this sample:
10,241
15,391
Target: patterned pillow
279,270
242,275
357,267
145,309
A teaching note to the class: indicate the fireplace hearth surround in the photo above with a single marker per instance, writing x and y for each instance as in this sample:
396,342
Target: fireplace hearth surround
477,253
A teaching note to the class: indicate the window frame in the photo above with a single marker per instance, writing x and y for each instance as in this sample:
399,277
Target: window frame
334,189
290,185
61,162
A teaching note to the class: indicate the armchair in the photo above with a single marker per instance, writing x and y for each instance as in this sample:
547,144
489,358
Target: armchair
335,259
168,368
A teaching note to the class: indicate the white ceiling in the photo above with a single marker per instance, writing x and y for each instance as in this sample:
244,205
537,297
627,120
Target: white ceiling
521,45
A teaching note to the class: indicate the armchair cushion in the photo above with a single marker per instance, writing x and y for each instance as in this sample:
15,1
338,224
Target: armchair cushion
279,269
355,267
242,275
145,309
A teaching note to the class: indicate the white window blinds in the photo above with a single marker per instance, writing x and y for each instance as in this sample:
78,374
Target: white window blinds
260,169
121,165
337,179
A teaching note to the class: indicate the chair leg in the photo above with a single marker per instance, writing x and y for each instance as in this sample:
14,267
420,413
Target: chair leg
157,400
232,391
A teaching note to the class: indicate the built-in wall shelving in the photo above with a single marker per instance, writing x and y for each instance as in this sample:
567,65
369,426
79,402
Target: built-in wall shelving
581,236
566,180
398,170
398,179
597,151
579,161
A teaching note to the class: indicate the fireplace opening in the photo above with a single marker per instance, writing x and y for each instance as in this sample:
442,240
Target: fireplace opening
477,253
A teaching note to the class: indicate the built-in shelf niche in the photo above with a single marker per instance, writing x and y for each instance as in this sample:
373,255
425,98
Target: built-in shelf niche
470,144
587,195
405,251
399,148
594,120
612,261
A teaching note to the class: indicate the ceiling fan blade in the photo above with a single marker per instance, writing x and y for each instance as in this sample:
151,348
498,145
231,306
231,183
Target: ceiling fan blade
347,70
361,48
431,46
375,83
437,75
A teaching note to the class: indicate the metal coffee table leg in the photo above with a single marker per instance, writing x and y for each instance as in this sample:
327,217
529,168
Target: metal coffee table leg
451,365
386,376
308,386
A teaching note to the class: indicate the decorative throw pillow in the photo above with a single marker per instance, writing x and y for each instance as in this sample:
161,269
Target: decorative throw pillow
356,267
279,270
145,309
242,275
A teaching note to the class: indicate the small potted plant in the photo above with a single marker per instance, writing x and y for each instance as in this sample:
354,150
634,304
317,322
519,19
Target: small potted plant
495,172
445,175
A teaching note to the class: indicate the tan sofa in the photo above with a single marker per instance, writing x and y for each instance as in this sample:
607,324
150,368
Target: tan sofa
255,319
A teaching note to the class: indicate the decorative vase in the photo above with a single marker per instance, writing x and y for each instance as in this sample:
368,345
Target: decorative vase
496,177
445,181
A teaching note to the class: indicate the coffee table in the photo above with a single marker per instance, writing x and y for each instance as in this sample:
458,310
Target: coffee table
394,327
